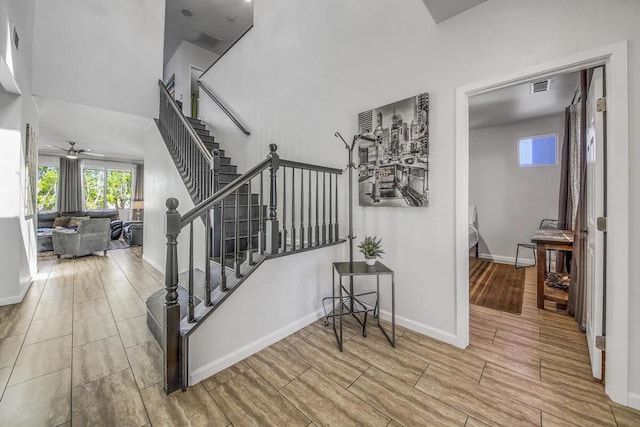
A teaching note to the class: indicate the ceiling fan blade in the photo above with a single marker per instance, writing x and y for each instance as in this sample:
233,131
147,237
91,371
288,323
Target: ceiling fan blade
91,154
59,148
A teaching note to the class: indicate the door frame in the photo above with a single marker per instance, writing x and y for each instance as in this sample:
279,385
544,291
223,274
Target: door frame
615,59
191,69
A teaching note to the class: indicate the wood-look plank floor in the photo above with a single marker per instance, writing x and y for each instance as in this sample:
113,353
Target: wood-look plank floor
77,350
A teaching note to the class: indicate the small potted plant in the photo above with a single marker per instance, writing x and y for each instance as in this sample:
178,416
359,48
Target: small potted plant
371,247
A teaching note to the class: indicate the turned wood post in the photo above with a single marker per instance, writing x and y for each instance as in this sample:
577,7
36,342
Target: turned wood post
271,228
171,353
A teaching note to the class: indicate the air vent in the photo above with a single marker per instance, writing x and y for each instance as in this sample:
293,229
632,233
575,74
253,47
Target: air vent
207,41
540,86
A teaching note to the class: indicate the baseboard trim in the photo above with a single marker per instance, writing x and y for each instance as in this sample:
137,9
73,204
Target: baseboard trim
504,259
152,264
511,260
634,400
423,329
242,353
16,299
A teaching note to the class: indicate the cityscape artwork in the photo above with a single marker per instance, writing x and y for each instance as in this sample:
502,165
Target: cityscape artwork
394,170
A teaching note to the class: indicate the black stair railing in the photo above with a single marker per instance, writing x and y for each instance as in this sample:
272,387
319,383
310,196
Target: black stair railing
186,146
256,235
224,109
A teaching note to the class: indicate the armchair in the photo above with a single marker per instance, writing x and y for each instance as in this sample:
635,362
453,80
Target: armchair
92,236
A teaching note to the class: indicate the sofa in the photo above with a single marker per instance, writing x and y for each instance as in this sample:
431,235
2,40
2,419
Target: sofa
46,221
132,232
91,236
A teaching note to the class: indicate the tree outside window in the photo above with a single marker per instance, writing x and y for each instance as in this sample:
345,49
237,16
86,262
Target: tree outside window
118,189
93,188
47,188
106,188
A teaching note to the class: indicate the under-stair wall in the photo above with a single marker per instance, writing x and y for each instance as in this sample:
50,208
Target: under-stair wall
279,298
162,181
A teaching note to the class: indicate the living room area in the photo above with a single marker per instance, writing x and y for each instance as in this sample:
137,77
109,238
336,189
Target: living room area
86,205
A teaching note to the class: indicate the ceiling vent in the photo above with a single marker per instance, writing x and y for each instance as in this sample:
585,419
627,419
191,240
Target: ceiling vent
207,41
540,86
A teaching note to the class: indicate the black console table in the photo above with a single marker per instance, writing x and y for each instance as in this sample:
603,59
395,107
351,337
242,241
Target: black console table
351,303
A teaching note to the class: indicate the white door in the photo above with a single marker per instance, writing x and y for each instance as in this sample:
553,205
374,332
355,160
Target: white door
595,208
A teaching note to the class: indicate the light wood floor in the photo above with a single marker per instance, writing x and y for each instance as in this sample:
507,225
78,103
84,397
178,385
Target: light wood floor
77,350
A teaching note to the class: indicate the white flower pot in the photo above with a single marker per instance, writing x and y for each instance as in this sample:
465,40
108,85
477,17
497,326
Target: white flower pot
370,261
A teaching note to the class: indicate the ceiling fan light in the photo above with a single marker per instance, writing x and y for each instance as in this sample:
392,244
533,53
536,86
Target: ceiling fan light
72,156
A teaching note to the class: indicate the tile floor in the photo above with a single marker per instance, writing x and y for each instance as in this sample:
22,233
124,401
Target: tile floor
77,350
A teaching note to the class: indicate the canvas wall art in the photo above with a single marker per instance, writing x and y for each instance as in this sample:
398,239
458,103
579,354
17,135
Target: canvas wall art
30,170
394,170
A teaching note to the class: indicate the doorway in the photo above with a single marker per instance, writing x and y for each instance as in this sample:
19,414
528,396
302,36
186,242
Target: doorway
194,92
614,58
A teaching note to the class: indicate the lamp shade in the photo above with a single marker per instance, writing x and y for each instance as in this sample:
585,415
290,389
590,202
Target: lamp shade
138,204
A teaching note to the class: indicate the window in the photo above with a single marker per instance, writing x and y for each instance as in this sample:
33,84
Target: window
538,150
106,188
47,188
118,189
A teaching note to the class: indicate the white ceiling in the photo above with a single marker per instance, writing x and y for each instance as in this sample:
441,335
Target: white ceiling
225,20
441,10
516,103
117,135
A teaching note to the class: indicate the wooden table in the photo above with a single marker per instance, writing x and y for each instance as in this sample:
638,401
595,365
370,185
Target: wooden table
559,240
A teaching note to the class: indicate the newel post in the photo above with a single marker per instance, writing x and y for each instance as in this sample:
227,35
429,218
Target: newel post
171,353
271,224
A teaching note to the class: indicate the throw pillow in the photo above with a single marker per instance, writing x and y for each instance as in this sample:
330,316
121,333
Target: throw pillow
61,221
76,220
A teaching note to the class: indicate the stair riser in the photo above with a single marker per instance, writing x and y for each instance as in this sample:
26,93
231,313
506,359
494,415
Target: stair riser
230,245
231,200
230,212
229,228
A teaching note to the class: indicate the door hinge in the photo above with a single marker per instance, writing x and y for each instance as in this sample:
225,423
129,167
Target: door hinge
601,342
601,223
601,105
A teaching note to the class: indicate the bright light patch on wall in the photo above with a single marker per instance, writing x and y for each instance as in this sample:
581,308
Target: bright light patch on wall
538,150
8,53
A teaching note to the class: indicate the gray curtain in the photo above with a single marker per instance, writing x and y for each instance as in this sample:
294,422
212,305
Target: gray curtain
565,208
577,295
138,193
70,186
570,177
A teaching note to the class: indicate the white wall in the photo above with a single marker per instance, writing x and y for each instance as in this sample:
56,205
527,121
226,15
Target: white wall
162,181
185,56
281,296
296,87
18,252
102,54
511,200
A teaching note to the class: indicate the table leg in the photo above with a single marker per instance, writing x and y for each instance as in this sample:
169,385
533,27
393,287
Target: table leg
340,301
393,309
392,339
333,305
541,263
377,298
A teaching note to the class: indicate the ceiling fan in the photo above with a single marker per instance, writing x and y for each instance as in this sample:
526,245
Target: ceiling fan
73,152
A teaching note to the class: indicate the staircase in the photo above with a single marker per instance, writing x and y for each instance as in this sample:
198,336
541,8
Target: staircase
245,223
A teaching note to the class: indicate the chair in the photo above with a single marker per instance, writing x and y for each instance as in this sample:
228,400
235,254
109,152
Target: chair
545,224
92,236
